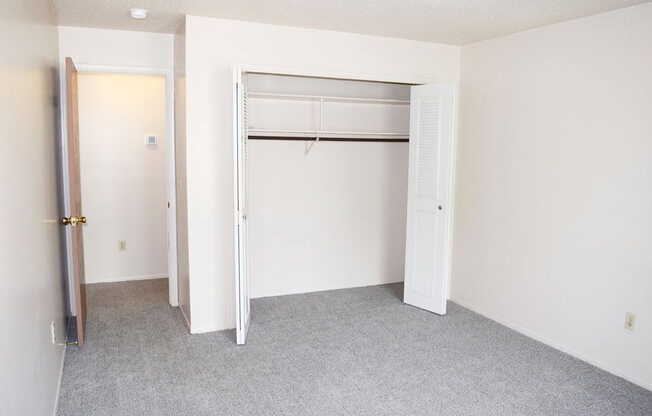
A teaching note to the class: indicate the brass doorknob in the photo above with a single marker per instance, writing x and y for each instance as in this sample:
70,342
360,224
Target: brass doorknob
72,220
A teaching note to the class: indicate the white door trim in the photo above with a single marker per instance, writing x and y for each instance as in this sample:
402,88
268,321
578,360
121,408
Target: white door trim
168,74
241,69
242,301
335,74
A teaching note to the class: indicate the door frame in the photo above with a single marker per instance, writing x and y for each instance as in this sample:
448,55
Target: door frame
238,70
170,174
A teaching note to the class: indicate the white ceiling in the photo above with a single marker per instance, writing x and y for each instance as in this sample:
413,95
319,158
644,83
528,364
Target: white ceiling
444,21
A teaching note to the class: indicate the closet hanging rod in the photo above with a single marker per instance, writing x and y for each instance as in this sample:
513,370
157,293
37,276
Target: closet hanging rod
329,139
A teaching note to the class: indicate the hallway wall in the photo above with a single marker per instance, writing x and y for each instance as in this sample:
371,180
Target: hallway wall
123,180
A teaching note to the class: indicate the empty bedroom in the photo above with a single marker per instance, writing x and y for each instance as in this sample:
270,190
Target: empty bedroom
282,207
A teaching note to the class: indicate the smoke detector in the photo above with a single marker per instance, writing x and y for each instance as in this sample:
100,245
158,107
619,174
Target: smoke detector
139,14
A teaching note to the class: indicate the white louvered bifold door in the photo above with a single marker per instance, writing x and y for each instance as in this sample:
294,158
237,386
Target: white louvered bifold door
242,302
429,181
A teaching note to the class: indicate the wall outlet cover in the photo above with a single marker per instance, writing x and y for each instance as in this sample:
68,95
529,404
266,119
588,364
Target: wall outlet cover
151,140
630,321
122,245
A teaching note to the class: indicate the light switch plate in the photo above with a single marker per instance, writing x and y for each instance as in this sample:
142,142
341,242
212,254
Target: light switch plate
122,245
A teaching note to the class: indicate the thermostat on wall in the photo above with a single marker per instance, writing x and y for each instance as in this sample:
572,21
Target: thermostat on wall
151,140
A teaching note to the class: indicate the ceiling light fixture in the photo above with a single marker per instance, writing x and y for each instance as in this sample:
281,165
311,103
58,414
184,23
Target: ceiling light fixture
139,14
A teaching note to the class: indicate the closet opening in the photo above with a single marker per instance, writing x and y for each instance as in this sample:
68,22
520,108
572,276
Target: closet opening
321,170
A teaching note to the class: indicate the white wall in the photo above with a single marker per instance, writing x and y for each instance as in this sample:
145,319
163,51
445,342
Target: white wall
32,276
116,47
332,219
123,180
211,46
553,220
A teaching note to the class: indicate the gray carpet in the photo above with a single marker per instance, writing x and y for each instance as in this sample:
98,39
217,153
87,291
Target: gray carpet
346,352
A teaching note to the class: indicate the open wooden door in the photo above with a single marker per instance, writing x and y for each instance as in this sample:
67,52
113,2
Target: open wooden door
75,218
242,301
429,186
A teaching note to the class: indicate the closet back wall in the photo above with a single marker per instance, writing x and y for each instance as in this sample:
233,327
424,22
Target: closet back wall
331,219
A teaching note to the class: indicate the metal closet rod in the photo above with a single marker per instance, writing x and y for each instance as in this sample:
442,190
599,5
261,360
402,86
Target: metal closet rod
328,139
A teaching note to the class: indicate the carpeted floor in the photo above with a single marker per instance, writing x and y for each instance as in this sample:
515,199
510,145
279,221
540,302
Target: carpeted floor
345,352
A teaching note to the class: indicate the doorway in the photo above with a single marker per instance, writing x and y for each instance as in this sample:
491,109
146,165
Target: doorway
122,156
125,143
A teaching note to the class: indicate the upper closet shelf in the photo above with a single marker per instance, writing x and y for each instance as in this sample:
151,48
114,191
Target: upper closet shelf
326,134
300,97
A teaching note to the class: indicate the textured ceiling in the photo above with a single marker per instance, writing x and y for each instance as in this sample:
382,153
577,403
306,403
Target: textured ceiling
444,21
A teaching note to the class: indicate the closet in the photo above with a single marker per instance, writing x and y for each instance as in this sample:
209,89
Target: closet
321,170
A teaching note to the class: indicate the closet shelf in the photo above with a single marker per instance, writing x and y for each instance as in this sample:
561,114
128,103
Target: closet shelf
326,134
299,97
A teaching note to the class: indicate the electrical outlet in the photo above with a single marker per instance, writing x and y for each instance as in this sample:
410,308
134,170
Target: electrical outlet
122,245
630,320
53,332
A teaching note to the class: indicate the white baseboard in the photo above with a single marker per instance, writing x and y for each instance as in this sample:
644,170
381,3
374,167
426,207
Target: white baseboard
185,319
323,288
195,329
204,329
58,392
126,278
564,348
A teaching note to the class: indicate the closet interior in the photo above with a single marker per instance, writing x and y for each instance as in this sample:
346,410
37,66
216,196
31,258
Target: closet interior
326,183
